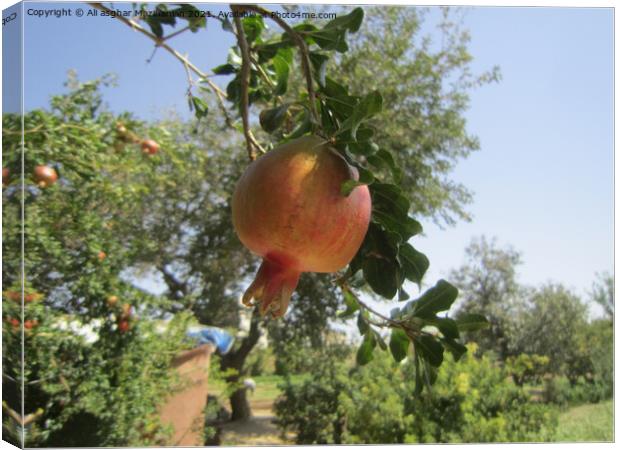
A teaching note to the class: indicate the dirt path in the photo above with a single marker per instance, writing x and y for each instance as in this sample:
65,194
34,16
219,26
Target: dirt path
259,430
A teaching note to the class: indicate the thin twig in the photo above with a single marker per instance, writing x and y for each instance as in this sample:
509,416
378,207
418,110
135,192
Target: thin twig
159,42
176,33
245,85
303,48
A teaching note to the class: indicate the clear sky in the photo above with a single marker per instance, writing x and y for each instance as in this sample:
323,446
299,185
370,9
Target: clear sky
543,180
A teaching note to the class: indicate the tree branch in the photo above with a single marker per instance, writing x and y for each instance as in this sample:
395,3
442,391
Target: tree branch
160,42
303,49
245,85
174,285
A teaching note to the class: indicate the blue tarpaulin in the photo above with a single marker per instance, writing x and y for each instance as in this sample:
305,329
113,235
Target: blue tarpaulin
221,339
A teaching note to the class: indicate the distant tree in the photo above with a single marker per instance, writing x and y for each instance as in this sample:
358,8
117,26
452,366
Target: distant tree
426,80
552,327
603,293
488,285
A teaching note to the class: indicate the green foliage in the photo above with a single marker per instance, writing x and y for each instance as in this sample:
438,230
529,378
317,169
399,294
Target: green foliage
471,401
488,285
88,381
527,368
565,393
426,91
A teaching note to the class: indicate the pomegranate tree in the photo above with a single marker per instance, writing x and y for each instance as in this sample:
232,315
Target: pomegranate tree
288,208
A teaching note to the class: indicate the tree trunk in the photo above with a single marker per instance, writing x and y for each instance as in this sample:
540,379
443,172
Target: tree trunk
239,404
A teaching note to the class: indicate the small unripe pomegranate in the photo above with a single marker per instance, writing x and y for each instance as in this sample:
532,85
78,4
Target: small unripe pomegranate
126,308
101,255
120,129
45,176
112,300
149,147
288,208
6,176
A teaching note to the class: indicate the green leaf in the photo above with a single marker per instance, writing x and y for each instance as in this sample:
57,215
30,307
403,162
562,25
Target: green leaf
334,89
224,69
330,39
365,148
319,64
471,322
352,305
351,21
272,119
413,263
253,27
429,349
365,177
233,90
282,69
362,324
382,275
364,353
200,107
227,25
371,104
368,106
192,14
304,126
155,26
446,325
457,349
438,298
402,295
399,344
379,340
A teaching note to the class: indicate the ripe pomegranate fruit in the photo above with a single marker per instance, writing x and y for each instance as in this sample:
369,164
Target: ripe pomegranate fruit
13,295
6,176
288,208
101,255
123,326
149,147
31,297
45,176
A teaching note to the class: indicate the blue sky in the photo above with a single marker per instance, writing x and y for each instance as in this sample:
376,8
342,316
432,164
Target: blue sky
543,180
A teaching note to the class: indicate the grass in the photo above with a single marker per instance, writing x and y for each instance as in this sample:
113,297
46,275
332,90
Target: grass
266,387
587,423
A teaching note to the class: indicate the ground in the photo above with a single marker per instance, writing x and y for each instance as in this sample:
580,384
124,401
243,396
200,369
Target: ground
587,423
260,429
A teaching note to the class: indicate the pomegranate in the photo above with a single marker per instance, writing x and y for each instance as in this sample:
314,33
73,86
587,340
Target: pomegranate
101,255
123,326
288,208
6,176
149,147
112,301
126,308
45,176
